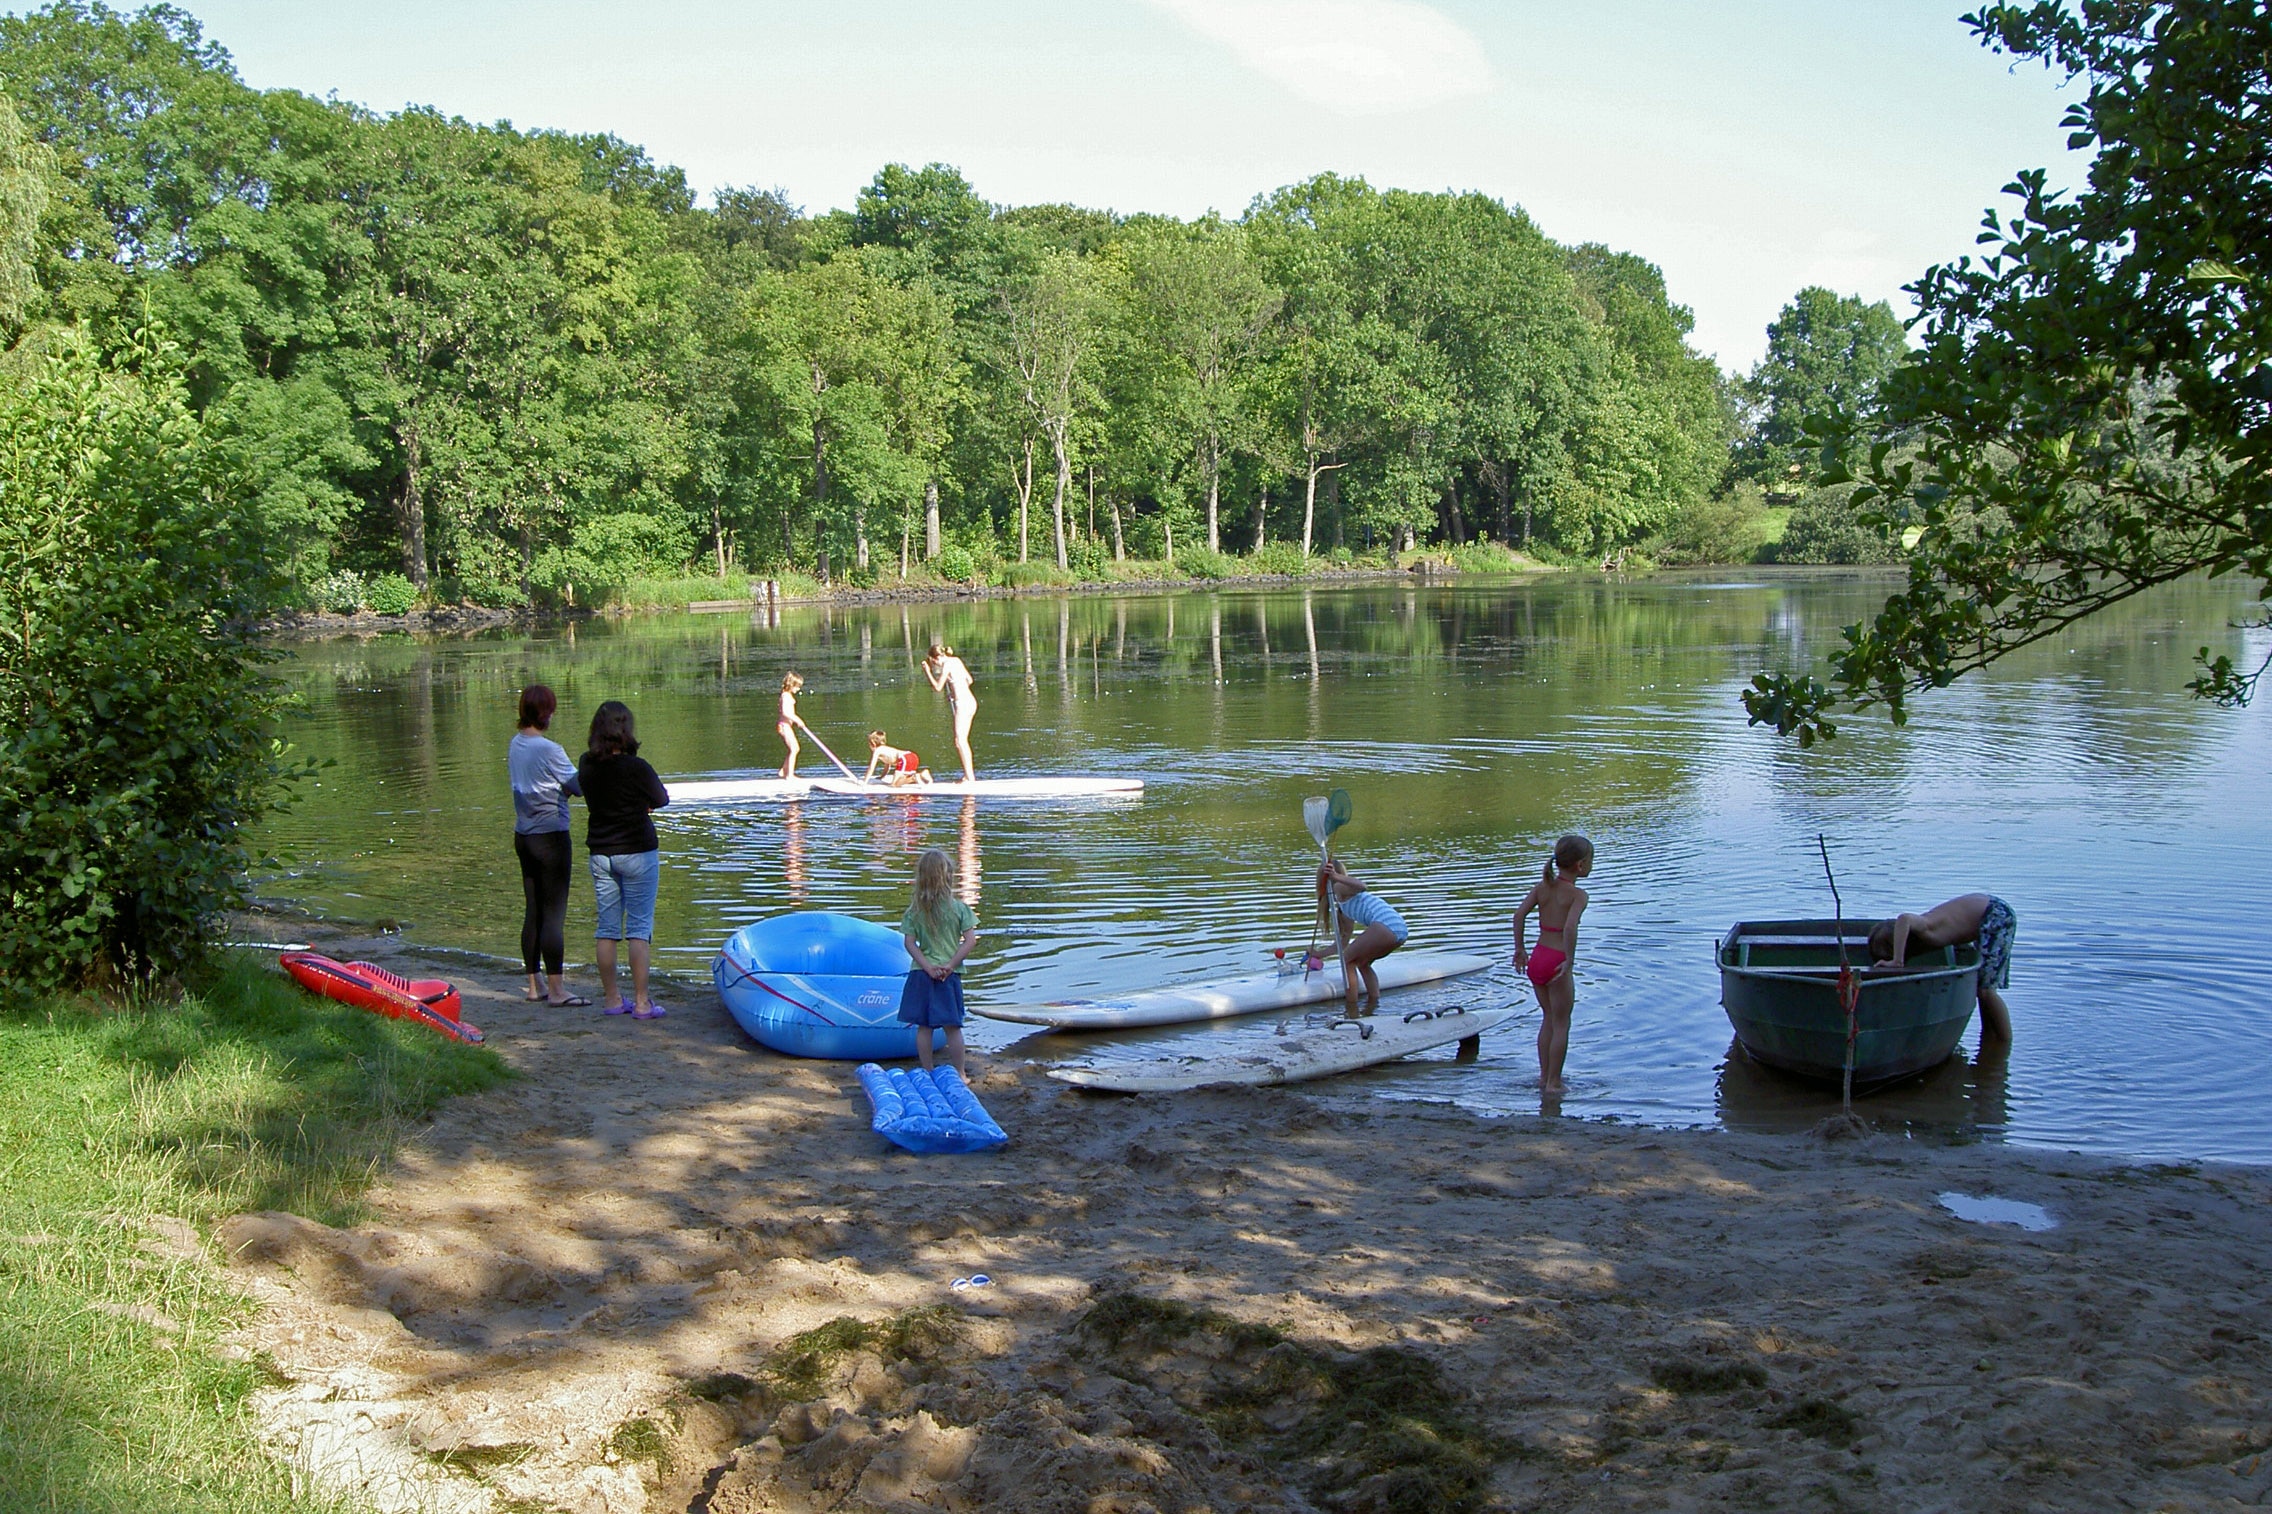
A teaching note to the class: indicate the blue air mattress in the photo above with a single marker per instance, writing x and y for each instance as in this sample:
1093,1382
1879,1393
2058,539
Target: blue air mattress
815,984
928,1111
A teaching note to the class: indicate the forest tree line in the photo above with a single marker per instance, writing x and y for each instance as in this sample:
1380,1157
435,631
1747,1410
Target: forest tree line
527,365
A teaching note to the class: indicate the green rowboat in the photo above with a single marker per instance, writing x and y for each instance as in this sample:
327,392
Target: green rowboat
1779,985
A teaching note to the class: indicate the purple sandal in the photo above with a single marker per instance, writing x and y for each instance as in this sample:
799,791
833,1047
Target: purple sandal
619,1007
651,1012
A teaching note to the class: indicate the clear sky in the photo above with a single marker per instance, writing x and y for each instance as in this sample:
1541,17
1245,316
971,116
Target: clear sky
1749,147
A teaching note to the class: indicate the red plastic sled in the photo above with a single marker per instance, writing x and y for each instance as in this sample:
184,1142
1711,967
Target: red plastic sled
429,1001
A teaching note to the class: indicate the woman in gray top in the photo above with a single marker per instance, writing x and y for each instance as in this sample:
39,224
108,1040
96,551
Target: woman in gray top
543,778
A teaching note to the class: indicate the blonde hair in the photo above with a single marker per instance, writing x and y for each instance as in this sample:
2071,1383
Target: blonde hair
1571,851
934,887
939,649
875,738
791,682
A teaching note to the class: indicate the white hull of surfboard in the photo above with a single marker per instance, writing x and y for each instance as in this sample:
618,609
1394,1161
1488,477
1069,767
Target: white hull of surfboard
1229,997
1320,1052
778,790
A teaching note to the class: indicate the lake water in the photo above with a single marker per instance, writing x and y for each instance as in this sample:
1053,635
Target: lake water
2127,823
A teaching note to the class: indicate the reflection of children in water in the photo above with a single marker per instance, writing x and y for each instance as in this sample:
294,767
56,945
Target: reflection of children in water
793,851
966,871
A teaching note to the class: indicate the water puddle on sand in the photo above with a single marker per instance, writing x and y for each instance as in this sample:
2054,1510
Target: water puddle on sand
1989,1210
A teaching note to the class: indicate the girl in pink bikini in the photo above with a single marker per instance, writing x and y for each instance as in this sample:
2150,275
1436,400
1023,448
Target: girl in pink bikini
1559,901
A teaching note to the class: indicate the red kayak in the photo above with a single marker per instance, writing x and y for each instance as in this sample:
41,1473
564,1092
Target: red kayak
429,1001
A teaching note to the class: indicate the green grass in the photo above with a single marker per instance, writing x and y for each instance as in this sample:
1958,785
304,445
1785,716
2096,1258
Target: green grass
118,1125
799,1366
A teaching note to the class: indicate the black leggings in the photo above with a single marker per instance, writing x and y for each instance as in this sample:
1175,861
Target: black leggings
544,890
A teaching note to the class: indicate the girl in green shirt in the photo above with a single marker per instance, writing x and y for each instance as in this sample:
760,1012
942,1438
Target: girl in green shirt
939,930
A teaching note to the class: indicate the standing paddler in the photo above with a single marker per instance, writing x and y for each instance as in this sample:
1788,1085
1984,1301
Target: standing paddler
947,674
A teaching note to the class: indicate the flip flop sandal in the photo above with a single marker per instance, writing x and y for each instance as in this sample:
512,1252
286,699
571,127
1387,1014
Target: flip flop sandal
573,1001
651,1012
619,1007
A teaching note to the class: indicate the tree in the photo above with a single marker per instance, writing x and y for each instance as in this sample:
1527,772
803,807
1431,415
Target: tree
26,181
853,372
764,221
1050,316
2091,405
1313,382
1826,354
1654,434
135,753
1204,309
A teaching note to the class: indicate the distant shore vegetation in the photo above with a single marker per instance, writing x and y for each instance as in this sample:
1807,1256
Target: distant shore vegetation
461,363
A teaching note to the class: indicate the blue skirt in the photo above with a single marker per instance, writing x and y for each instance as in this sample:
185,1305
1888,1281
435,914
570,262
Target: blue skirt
929,1001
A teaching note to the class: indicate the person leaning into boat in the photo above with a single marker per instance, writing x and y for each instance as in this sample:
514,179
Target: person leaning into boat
1982,918
939,930
542,778
621,793
1379,930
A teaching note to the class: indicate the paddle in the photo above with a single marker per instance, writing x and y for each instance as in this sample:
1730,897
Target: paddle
1322,815
831,756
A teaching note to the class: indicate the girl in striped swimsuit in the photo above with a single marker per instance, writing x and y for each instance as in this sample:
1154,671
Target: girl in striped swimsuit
1379,931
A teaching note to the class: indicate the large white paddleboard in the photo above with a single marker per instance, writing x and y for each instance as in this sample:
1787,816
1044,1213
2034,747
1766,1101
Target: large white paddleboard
984,788
776,790
1314,1052
1286,988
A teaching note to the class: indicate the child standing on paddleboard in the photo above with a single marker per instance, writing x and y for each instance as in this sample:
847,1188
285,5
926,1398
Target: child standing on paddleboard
790,722
948,674
1559,901
939,930
1378,929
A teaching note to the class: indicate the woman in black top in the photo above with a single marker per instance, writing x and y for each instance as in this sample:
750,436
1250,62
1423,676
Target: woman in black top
620,793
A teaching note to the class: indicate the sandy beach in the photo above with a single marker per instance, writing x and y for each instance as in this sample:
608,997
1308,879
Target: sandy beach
609,1286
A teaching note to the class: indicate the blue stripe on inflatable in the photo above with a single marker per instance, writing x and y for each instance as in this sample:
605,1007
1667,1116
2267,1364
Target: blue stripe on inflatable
928,1111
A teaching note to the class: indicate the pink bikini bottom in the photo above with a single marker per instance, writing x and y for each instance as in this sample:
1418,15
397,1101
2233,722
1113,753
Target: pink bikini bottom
1544,964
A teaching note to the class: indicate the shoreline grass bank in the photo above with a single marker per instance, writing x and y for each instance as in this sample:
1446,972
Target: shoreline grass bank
1192,569
129,1133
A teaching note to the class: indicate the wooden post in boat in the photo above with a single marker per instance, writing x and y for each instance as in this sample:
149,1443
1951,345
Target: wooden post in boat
1849,991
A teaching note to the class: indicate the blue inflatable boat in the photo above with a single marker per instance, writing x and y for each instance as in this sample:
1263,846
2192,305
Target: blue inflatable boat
815,984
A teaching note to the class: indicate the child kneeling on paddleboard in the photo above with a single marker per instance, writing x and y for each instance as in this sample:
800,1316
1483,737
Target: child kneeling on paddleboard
1380,930
900,767
939,930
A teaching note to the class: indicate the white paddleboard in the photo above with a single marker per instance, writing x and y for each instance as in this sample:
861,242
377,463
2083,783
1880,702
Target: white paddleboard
1314,1052
984,788
1285,988
739,790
